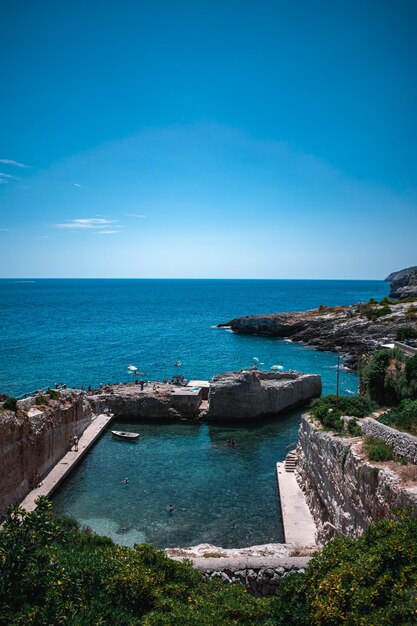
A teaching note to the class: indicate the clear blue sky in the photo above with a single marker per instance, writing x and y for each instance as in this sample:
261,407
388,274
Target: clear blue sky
208,139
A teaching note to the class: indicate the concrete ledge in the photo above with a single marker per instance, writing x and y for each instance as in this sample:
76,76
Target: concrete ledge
298,523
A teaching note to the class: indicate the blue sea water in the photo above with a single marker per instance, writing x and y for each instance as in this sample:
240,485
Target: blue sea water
87,331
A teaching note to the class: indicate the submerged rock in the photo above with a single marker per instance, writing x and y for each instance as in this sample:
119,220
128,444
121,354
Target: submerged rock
252,393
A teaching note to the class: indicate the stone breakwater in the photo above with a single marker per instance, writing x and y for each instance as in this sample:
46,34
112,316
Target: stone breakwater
330,328
252,393
344,490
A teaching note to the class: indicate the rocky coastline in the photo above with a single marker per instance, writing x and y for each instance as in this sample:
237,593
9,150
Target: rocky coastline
354,330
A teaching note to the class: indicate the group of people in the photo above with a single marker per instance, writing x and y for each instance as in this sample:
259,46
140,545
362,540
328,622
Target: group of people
231,442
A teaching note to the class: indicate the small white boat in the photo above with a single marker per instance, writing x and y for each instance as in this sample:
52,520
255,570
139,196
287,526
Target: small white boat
123,434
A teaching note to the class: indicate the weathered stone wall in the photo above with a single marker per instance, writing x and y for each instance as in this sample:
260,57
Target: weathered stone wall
252,393
404,444
34,439
130,402
260,576
344,491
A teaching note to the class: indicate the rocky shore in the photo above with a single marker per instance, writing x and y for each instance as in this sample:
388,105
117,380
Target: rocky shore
354,330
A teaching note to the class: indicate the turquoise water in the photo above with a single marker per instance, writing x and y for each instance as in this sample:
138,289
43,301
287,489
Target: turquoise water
221,495
87,331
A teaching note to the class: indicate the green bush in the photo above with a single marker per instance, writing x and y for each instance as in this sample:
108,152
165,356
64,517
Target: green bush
369,581
373,310
354,429
378,450
329,409
52,572
54,395
10,404
411,377
406,332
41,400
383,377
403,417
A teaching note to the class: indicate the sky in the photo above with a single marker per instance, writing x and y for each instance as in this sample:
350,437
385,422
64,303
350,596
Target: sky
208,139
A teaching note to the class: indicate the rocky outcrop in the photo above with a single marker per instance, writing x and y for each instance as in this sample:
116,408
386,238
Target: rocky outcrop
403,283
252,393
346,492
345,328
154,401
34,438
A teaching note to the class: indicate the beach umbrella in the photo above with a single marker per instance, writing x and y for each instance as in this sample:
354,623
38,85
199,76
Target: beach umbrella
278,367
132,368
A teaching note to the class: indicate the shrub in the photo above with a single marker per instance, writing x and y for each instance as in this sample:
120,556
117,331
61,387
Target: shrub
403,417
329,409
54,395
10,404
406,332
354,429
366,581
412,312
373,310
41,400
378,450
383,377
411,376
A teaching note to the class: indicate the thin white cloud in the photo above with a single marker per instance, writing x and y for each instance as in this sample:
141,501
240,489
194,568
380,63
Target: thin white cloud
86,223
107,232
15,163
4,230
77,185
138,215
4,175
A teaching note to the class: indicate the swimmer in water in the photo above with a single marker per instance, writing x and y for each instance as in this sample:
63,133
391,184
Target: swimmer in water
125,481
171,508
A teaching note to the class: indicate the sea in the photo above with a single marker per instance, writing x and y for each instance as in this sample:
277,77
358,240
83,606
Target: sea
87,332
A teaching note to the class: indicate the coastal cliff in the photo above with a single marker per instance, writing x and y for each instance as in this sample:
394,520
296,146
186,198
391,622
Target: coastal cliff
344,491
403,283
34,438
252,393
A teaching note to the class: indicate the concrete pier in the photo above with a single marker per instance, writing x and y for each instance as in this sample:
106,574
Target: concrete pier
52,480
298,523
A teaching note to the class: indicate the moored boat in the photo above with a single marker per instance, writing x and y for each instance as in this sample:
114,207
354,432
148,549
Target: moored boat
123,434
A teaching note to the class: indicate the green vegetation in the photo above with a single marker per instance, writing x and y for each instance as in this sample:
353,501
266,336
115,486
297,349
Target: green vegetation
378,450
52,572
41,400
406,332
388,377
54,395
354,429
10,404
329,409
403,417
373,309
412,312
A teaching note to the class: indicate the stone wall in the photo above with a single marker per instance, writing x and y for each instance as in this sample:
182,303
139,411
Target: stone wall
260,576
252,393
344,491
34,439
404,444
